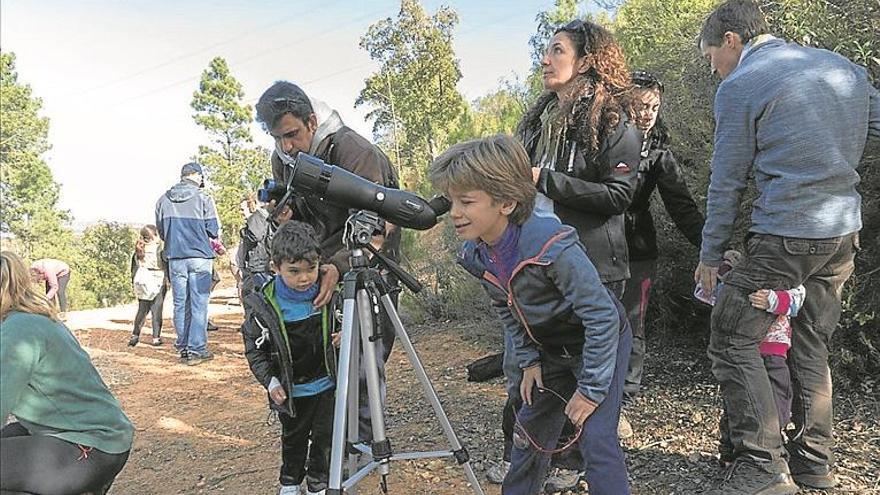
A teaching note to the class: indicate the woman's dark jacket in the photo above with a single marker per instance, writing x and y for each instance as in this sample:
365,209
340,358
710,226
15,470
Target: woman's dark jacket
659,169
349,150
594,194
272,350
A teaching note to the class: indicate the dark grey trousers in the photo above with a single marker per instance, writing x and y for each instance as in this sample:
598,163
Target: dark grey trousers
773,262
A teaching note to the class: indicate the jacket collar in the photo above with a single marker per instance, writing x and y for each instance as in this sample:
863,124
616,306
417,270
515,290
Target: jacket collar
541,239
329,122
757,45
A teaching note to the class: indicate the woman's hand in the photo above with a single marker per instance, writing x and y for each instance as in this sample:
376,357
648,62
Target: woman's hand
531,377
579,408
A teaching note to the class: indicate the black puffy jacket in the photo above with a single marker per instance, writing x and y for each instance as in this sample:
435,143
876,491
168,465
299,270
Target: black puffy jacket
256,245
269,354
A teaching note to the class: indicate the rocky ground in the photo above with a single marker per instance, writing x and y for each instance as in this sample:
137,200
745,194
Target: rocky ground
206,429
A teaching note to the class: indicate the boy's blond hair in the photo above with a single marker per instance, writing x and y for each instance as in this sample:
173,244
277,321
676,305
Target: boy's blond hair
497,165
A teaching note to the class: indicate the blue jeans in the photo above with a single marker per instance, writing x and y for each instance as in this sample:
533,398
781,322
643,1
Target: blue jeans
599,445
191,289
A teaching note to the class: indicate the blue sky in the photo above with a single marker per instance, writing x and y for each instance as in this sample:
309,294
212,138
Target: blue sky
116,77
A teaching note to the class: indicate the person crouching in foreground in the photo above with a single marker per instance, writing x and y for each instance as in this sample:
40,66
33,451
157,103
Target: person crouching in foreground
70,435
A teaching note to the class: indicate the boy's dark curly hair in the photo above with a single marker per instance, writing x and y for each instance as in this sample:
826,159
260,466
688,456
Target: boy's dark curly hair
295,241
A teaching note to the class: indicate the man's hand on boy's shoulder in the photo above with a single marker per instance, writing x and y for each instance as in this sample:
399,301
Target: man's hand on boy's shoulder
329,279
579,408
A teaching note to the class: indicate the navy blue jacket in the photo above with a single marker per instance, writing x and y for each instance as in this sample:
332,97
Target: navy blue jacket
186,218
555,303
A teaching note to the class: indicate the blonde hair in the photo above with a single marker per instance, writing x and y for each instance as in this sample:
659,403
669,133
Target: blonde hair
497,165
17,293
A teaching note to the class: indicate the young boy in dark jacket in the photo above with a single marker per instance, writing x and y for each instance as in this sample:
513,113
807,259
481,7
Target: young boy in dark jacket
566,331
289,347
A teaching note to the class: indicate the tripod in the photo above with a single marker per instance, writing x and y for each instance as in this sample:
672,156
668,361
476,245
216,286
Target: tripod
363,289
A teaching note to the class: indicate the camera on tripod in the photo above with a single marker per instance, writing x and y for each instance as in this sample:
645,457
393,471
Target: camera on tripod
361,228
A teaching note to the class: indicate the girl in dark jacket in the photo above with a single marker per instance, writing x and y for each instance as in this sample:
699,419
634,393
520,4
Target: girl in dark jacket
585,155
659,170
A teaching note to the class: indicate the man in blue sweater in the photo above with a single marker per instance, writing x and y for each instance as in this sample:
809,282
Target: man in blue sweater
187,219
797,118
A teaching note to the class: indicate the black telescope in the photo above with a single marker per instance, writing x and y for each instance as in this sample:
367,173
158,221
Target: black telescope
311,176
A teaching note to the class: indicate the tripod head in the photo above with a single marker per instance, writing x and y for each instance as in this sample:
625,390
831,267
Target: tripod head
360,228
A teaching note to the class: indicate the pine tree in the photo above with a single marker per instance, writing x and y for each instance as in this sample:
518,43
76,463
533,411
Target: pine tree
28,192
233,166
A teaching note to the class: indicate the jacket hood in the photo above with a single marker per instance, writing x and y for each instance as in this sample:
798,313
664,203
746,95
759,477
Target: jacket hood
329,122
182,191
541,238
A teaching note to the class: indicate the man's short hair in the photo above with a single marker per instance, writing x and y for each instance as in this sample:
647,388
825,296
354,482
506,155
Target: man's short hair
742,17
295,241
497,165
282,98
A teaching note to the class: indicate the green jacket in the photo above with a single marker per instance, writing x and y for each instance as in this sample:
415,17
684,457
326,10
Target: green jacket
49,383
267,345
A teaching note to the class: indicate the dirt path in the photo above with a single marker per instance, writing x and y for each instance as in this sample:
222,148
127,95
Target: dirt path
204,429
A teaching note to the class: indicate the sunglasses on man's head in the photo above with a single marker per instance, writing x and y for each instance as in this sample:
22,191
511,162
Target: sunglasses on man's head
285,102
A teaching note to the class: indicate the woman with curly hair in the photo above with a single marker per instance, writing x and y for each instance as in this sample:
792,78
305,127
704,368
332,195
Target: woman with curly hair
585,154
584,149
70,435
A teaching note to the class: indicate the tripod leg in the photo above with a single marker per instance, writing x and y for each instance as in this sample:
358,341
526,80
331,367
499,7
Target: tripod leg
381,447
459,452
353,423
338,447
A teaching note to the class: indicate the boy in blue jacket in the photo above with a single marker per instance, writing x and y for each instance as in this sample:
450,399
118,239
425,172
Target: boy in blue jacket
288,345
567,333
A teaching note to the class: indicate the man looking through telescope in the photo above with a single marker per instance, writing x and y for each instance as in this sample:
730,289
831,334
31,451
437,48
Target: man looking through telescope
299,123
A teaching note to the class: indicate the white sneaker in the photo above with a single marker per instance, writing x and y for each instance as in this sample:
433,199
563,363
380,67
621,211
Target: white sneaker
290,490
562,480
322,492
496,473
624,427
